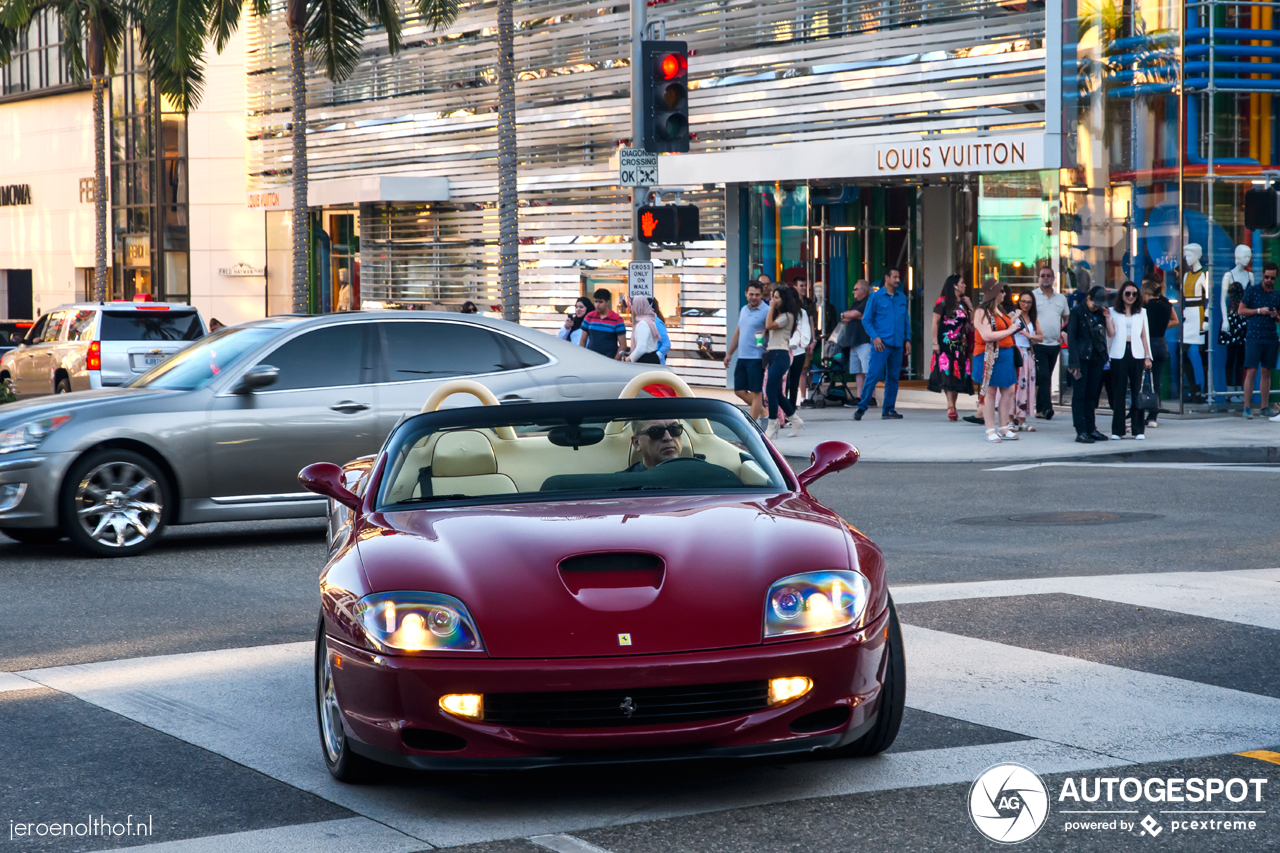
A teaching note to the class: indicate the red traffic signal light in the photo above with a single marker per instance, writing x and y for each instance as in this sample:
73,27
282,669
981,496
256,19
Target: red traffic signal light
665,99
667,223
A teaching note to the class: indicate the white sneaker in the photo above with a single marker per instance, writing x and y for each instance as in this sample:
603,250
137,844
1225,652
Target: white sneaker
797,426
1275,420
1115,438
771,431
1140,437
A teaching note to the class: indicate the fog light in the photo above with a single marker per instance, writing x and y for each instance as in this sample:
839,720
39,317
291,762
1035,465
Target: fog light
785,689
468,705
11,495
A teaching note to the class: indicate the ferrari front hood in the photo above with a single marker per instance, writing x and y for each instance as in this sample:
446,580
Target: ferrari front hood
635,577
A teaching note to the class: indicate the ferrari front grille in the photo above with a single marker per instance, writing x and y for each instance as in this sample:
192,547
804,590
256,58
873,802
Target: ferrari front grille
650,706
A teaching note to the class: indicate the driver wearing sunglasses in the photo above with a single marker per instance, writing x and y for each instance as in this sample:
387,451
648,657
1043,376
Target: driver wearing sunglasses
657,441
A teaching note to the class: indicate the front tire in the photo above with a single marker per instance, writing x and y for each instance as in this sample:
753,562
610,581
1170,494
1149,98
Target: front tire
893,699
344,764
114,503
62,386
33,535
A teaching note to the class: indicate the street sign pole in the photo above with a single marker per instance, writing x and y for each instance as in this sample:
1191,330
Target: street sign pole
639,22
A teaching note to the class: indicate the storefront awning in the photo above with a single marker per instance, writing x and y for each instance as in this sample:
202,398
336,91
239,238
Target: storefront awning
344,192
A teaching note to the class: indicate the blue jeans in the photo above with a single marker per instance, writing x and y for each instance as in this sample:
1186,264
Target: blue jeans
776,383
885,367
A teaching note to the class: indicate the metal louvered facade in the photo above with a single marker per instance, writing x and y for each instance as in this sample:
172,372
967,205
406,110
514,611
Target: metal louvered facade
762,75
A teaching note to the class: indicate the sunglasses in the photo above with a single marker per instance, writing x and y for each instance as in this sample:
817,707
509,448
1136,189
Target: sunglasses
655,432
1268,278
1131,293
1046,275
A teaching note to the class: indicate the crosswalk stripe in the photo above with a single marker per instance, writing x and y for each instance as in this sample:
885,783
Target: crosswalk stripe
566,844
350,835
10,682
1262,755
1259,468
1247,598
1136,716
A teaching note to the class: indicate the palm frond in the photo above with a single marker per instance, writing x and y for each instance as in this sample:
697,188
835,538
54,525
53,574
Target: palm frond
173,35
223,19
438,13
386,13
335,36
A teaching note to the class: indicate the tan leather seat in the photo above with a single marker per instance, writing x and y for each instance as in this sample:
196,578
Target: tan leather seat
463,464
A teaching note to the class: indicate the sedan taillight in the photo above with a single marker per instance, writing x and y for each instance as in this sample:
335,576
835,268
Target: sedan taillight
94,361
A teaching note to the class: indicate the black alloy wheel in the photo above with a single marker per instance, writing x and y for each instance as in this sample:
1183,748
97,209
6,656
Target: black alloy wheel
114,503
343,762
33,535
893,699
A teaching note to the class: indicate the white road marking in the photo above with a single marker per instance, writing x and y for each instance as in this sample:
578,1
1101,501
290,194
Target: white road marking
10,682
352,835
1263,468
1120,712
566,844
1247,598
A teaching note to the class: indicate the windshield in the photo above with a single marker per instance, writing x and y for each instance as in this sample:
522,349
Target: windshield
200,363
572,451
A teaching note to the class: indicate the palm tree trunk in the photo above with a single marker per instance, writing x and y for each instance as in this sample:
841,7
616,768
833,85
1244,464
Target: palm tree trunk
508,196
301,225
99,188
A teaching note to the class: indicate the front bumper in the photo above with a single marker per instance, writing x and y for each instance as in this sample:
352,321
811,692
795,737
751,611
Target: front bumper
383,696
42,473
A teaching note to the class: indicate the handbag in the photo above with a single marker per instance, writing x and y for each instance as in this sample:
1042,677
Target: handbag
1017,357
1148,399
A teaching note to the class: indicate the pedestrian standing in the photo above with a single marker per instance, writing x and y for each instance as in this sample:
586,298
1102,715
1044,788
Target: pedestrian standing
1086,354
949,365
1024,393
855,343
784,314
993,332
766,288
606,332
748,342
885,320
644,333
1160,317
664,340
1260,306
1232,334
807,330
572,330
1052,311
1130,352
468,307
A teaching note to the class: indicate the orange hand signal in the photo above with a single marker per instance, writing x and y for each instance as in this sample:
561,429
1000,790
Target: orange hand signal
648,224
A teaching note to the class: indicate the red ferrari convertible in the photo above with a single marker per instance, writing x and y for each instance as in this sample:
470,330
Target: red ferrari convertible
595,581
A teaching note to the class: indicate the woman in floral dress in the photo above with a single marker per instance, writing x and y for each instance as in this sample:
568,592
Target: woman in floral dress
1024,393
949,367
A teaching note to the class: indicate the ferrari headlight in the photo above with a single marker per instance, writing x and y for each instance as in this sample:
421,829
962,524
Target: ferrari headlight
29,435
418,622
815,601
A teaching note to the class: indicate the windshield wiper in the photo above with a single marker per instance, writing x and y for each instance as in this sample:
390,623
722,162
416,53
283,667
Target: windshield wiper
424,499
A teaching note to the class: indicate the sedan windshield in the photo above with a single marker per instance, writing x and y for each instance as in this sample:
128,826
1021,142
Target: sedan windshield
574,451
202,362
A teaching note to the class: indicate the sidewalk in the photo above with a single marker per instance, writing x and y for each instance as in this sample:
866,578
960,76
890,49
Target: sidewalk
925,435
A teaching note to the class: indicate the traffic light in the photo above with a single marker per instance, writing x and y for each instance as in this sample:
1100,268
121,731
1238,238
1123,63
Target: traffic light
667,223
665,99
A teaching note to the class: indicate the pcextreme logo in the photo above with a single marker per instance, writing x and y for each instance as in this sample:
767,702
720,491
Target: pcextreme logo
1008,803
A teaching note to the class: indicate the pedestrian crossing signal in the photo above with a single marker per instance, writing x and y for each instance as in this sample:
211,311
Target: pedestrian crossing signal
667,223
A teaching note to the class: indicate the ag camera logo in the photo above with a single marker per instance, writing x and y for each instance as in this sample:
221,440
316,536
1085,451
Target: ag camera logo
1008,803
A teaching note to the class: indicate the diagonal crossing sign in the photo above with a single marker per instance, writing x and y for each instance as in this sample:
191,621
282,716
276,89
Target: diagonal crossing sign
637,168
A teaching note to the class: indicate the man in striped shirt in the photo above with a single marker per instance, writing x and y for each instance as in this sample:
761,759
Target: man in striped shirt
606,333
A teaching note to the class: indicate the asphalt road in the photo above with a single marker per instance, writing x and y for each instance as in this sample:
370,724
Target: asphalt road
1168,671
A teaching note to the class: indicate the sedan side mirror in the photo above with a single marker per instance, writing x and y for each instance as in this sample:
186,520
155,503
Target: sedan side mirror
827,458
325,478
256,378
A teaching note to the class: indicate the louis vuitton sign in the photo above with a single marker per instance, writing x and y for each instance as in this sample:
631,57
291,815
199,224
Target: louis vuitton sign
969,155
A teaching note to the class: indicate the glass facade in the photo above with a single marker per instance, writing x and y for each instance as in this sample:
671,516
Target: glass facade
148,174
1167,121
38,63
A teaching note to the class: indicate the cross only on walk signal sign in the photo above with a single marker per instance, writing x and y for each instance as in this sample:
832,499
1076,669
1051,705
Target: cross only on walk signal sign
637,168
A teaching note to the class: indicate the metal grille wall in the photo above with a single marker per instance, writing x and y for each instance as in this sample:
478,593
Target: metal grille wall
761,73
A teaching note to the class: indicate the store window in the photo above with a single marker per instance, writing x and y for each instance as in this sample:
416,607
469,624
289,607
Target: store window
38,62
1015,227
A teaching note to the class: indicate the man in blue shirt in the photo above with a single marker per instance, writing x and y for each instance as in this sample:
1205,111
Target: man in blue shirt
748,376
886,321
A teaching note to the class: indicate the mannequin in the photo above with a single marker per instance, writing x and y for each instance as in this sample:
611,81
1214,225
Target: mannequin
1195,287
1231,329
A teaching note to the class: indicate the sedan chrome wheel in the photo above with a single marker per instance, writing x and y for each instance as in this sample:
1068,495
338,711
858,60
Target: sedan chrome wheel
330,716
119,504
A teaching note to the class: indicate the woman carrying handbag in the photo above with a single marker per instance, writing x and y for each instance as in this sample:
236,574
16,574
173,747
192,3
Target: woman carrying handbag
1130,352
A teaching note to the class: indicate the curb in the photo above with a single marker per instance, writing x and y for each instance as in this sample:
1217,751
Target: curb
1183,455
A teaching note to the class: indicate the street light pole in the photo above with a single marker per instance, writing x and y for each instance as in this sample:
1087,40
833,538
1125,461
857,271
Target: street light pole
639,23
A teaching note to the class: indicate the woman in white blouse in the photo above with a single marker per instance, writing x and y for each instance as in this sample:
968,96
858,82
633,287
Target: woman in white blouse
1129,347
644,337
572,330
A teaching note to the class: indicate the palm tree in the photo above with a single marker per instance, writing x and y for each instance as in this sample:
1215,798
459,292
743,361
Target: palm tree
508,195
332,31
172,38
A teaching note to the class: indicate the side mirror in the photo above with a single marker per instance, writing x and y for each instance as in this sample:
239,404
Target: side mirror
256,378
827,458
325,478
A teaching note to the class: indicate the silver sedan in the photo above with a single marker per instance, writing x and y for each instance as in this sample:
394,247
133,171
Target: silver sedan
219,431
